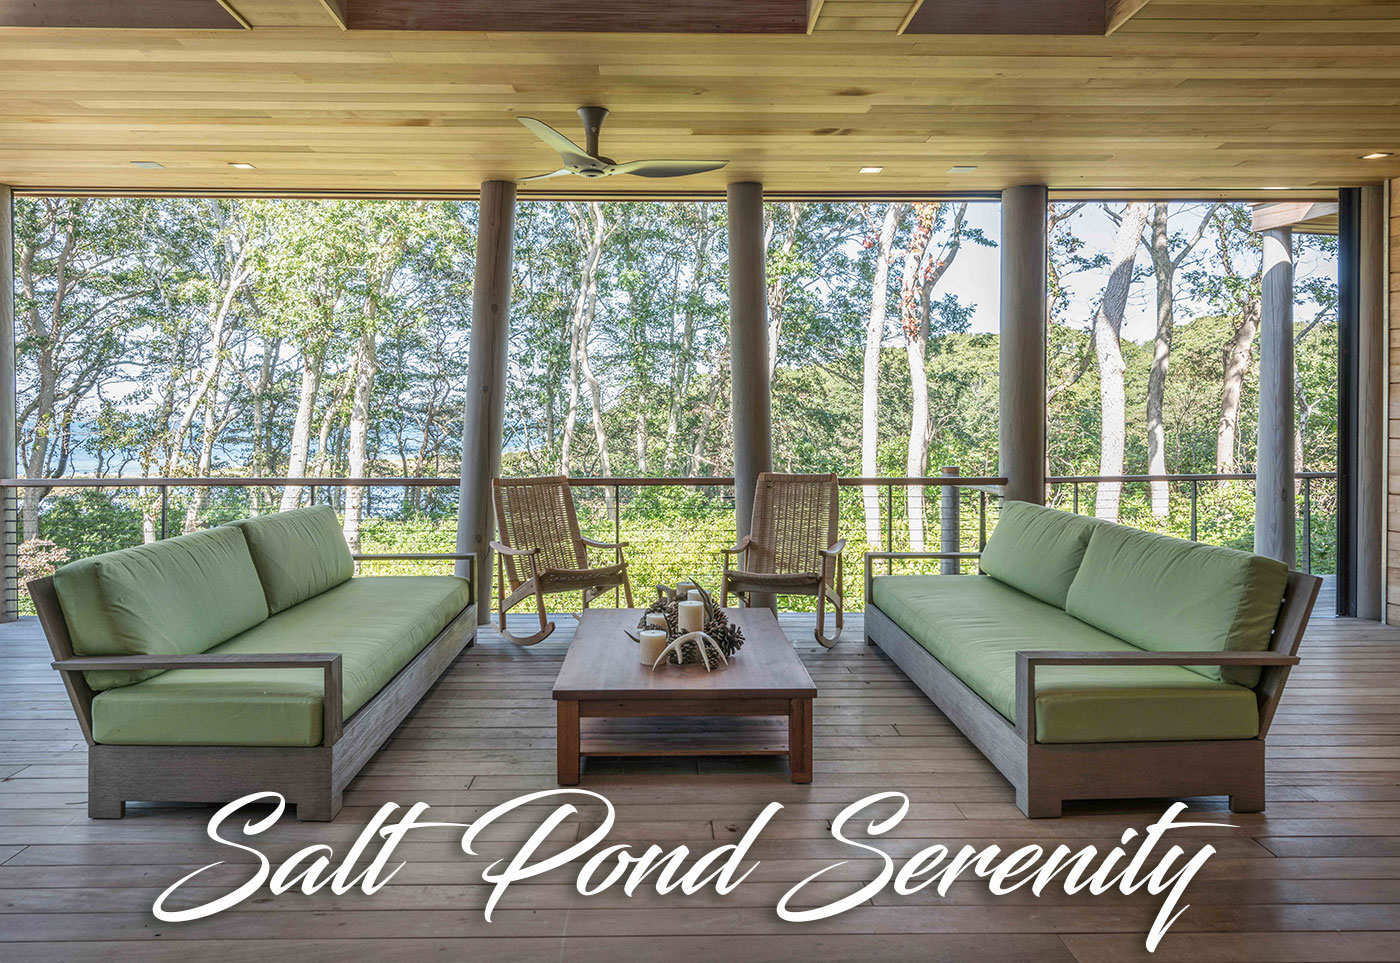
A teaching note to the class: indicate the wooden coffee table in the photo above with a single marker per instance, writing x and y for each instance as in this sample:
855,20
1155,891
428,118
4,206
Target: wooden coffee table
603,680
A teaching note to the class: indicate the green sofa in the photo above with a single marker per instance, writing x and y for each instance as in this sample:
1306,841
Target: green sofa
1093,660
244,658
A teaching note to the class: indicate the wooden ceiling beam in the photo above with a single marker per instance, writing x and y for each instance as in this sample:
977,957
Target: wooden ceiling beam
288,13
120,14
1119,12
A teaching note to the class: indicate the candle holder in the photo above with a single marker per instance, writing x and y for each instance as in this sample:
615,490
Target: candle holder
699,632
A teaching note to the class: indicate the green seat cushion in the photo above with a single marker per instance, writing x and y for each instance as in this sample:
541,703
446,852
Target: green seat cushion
377,625
1037,550
178,596
298,554
1170,595
975,625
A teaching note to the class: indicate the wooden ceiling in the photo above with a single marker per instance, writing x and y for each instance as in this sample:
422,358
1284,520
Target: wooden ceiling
1185,96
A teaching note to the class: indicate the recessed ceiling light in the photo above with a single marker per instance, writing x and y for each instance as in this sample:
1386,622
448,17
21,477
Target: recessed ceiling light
962,169
148,165
871,170
1377,155
242,165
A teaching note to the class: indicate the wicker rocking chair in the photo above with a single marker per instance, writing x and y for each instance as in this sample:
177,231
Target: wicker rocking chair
541,550
792,547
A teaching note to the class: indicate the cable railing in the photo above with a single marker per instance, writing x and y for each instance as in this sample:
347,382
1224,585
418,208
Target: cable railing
676,525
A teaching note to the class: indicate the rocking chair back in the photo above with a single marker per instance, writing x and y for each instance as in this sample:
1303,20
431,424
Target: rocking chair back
539,513
795,517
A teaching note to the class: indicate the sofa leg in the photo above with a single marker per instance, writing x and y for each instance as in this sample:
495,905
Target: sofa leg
321,809
1249,801
1038,805
103,807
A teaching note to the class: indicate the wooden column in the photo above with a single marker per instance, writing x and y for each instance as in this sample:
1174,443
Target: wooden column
1274,499
1023,316
484,418
1372,357
9,538
750,401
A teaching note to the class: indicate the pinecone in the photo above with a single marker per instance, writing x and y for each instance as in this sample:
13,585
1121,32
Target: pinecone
728,636
667,608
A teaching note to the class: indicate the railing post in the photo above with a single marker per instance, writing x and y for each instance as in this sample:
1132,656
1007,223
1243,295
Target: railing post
1307,524
617,538
1195,493
889,528
950,525
312,496
1075,486
163,507
10,533
981,521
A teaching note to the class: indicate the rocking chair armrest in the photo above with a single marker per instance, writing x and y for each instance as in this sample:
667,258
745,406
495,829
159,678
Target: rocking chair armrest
742,547
507,550
594,543
835,550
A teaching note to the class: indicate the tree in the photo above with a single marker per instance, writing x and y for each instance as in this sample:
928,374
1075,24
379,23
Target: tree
1165,264
1107,331
883,242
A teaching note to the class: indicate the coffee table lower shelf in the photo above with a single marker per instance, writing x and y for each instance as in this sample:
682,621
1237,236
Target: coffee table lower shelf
725,727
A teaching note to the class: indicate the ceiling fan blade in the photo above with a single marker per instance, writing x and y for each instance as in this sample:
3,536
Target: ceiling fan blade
666,168
567,149
542,177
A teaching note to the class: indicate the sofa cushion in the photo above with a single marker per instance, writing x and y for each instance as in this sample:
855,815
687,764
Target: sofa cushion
178,596
1170,595
1037,550
975,625
298,554
377,625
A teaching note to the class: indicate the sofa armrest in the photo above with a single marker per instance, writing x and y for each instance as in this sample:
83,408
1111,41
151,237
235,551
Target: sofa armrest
1028,661
332,721
871,557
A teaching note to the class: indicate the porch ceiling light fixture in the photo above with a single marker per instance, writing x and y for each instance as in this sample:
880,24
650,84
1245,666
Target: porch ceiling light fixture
242,165
148,165
962,169
871,170
1377,155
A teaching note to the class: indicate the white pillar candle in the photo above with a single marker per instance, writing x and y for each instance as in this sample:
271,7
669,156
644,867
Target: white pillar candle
654,642
683,590
692,616
696,596
655,620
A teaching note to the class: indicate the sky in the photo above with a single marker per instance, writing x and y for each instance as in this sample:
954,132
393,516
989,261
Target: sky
976,275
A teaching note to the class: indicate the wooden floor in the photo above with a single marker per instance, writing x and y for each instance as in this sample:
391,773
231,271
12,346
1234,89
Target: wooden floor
1317,878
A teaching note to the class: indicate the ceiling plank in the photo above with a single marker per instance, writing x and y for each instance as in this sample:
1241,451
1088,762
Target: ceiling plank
288,13
336,8
1119,12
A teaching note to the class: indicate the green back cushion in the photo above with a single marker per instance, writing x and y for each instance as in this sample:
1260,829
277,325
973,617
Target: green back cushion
1170,595
179,596
1037,550
298,554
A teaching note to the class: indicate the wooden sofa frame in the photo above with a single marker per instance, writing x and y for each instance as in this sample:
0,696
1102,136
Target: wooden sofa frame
311,777
1045,775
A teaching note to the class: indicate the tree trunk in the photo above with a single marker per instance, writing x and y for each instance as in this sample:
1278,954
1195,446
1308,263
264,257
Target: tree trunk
870,382
1239,351
777,290
365,370
1164,268
313,361
584,302
1108,326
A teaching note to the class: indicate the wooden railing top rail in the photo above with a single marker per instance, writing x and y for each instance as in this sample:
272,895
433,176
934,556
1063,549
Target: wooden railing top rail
1233,476
961,481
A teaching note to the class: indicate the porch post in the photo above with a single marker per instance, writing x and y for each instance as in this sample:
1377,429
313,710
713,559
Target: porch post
750,402
1274,499
1372,354
484,417
1023,315
9,537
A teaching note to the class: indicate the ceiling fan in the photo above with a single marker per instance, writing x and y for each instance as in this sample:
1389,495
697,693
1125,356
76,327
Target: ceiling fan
589,163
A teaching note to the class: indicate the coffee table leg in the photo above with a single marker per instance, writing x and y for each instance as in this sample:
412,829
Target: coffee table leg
800,739
568,738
